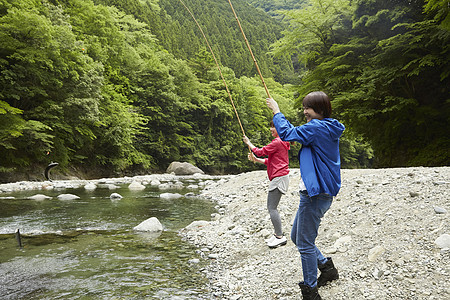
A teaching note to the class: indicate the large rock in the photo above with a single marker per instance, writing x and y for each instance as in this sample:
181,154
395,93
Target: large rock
150,225
39,197
170,196
443,241
68,197
115,196
183,168
136,186
90,186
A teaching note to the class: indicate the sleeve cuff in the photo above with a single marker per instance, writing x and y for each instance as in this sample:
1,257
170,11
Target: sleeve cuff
277,113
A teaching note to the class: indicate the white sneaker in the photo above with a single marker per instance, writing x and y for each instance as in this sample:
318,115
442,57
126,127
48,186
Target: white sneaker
277,242
270,239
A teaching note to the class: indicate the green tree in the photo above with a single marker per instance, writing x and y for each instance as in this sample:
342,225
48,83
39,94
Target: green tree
88,85
387,70
48,73
221,28
440,10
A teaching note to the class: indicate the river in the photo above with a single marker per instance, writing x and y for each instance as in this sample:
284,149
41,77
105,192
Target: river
87,249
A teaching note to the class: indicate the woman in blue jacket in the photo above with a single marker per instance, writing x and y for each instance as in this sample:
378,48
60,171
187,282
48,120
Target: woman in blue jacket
320,180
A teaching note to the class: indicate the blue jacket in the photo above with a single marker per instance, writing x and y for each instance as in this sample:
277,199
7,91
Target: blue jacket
320,163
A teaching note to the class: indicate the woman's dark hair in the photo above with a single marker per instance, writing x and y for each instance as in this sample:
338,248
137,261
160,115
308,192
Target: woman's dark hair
320,102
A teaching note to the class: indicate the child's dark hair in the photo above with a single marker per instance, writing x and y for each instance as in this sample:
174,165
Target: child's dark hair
320,102
273,125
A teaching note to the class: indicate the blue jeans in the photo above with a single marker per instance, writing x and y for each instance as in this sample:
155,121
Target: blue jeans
304,233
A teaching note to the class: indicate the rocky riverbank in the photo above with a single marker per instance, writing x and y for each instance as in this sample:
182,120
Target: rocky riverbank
162,181
387,231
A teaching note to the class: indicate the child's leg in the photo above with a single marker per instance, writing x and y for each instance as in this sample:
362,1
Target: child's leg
273,199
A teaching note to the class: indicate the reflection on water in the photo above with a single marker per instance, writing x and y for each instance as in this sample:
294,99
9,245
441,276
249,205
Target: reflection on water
86,248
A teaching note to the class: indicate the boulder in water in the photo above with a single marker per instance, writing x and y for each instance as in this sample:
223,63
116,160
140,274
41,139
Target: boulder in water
183,168
170,196
155,182
115,196
39,197
68,197
150,225
90,186
136,186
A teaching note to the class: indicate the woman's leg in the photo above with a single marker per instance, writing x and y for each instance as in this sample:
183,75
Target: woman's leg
273,199
304,233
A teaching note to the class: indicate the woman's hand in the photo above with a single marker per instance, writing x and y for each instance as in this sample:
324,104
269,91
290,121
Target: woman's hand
272,105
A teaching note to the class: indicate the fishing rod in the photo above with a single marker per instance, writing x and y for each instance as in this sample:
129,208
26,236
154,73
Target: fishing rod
217,64
220,72
250,49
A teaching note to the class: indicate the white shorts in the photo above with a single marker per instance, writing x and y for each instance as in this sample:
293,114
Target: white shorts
281,183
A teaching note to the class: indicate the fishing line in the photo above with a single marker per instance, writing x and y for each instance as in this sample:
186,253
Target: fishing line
221,75
217,64
250,49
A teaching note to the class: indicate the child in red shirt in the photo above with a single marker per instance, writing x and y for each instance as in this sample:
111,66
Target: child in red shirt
277,163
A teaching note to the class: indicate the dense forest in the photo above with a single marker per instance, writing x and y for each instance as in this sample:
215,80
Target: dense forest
274,7
386,64
128,86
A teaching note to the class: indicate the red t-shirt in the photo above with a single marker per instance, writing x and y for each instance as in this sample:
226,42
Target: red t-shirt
278,158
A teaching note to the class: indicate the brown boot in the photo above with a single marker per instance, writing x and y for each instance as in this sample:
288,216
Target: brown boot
327,273
309,293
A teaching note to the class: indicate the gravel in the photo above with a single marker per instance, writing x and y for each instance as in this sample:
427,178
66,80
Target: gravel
387,231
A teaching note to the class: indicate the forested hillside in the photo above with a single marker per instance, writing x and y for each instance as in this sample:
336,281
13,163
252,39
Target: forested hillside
273,7
89,85
177,32
181,37
386,64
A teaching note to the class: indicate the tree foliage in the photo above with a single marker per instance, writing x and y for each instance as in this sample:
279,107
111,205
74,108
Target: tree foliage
129,86
180,36
88,84
386,65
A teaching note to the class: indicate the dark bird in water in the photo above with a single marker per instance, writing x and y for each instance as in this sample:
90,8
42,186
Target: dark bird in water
18,238
50,165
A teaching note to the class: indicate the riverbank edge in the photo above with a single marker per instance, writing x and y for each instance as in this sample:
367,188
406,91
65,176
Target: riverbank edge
76,182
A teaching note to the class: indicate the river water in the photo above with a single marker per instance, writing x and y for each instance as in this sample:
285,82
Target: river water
87,248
